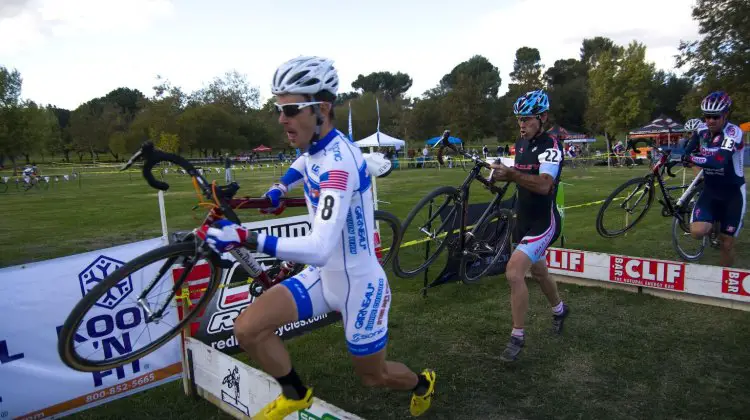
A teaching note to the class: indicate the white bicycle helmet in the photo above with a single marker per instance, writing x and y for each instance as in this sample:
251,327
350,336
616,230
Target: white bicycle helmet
306,76
716,103
692,124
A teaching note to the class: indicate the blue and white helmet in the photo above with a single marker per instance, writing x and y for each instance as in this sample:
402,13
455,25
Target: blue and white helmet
532,103
716,103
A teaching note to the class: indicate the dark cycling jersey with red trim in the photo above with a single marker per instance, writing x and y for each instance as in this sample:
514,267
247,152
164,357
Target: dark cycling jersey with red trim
720,157
541,155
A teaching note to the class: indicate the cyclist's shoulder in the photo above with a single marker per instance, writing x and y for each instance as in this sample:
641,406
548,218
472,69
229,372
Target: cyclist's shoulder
733,131
338,153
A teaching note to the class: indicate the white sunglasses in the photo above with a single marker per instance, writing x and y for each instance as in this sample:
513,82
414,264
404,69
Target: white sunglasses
293,109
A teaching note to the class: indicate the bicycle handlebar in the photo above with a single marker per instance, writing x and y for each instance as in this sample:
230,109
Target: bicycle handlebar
152,157
445,142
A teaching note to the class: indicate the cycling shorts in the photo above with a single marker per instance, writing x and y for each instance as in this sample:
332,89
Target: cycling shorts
534,236
363,302
729,211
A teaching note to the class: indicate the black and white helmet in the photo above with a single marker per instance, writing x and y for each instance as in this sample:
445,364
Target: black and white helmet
692,124
305,76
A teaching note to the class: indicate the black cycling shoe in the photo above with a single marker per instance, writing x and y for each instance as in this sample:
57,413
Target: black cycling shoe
512,349
558,320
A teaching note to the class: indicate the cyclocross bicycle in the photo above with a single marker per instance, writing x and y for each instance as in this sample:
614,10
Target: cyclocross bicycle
174,264
631,201
445,225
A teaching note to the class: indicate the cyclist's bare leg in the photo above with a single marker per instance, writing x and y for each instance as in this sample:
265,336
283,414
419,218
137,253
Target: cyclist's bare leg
255,330
540,273
700,229
727,250
375,371
515,272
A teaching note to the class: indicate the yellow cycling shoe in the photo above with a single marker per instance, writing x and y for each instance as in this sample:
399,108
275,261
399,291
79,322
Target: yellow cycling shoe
421,403
283,406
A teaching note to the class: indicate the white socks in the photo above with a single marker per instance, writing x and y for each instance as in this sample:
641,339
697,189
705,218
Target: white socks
558,310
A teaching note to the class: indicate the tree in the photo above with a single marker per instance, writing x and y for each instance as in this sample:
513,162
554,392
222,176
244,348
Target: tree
233,91
619,88
39,129
567,84
389,84
342,98
593,48
64,143
478,70
527,69
666,94
10,87
719,60
209,128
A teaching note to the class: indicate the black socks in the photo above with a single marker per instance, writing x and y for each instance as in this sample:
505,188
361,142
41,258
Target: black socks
291,386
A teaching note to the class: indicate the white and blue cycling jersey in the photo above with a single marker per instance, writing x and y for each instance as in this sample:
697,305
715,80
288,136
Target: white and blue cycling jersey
344,274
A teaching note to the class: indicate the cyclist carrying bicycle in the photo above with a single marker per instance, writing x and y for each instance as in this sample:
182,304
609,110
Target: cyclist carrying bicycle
538,164
719,146
343,273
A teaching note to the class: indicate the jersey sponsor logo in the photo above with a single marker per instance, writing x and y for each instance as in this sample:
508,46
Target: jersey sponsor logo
334,179
731,131
361,227
565,260
646,272
527,167
375,305
364,306
316,169
735,282
352,236
336,149
356,337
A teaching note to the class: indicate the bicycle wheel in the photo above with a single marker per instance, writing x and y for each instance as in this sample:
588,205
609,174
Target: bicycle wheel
489,242
389,235
428,228
103,332
636,190
688,248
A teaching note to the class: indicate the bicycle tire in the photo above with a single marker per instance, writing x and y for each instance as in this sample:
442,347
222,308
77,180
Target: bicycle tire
640,181
501,243
451,193
67,341
391,249
680,230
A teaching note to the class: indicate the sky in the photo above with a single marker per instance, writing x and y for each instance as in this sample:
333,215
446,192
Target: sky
71,51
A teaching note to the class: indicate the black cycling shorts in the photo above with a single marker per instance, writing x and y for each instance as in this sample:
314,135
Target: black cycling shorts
534,236
729,211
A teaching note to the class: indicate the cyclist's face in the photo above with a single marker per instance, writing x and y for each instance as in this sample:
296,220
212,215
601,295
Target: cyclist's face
715,123
299,128
530,126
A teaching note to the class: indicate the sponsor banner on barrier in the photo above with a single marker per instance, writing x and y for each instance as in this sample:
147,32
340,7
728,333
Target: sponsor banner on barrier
696,279
244,390
37,299
215,325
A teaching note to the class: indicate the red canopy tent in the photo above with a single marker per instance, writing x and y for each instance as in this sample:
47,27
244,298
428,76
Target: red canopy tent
262,148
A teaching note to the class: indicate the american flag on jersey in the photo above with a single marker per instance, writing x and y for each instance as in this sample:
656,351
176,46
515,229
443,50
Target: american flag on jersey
334,179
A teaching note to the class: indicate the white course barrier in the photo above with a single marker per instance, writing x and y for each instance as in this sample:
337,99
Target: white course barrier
671,279
241,390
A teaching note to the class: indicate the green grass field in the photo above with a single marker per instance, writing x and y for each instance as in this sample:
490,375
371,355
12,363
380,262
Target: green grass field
622,356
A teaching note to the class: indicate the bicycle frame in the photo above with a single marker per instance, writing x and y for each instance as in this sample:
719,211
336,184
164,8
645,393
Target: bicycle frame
462,202
222,205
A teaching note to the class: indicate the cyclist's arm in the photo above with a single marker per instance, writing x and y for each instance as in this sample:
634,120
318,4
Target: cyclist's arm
293,175
336,187
722,159
692,144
